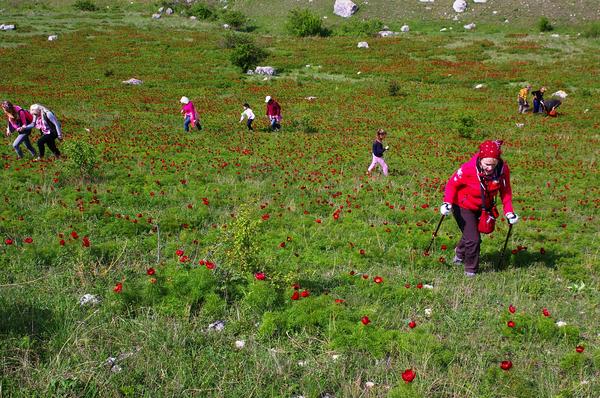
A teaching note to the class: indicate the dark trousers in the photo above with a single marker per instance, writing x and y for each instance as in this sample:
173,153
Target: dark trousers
537,106
249,124
469,245
50,140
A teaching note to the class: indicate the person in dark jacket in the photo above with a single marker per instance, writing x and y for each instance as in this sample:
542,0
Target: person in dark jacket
378,150
49,126
538,100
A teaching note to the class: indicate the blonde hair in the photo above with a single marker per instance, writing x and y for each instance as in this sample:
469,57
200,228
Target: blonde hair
381,132
37,108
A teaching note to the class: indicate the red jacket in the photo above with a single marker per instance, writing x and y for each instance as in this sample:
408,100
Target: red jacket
273,108
463,188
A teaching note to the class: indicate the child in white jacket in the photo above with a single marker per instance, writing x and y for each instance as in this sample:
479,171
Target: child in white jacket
249,114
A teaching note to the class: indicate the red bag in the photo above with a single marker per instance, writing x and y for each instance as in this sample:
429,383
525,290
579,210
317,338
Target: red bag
552,113
487,221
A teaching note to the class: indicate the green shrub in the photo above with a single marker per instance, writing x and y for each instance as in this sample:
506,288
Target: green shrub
303,22
201,11
247,56
464,124
592,31
304,125
544,25
360,28
393,88
572,362
574,273
85,5
235,39
235,19
82,158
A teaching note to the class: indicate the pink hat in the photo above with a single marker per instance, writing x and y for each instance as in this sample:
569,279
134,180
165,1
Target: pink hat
490,149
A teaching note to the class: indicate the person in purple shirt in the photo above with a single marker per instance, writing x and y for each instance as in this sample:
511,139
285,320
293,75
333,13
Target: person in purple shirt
49,126
18,117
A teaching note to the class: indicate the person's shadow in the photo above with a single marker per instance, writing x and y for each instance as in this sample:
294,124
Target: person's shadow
522,259
25,319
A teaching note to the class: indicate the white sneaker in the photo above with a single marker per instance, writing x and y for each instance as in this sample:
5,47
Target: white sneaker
470,274
457,260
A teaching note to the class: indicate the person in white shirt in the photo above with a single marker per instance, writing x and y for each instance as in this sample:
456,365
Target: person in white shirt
249,114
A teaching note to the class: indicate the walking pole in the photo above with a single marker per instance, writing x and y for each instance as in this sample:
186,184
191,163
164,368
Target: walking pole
435,233
504,248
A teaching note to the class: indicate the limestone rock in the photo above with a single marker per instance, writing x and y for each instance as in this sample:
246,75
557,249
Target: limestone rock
460,5
404,28
363,44
344,8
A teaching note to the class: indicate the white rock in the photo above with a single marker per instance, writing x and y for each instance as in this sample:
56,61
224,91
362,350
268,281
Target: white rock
335,357
386,33
362,44
561,324
155,16
169,11
265,70
302,363
427,286
560,94
226,26
240,344
89,299
310,98
494,12
217,326
443,30
52,37
555,35
133,81
358,73
478,86
266,78
344,8
479,1
7,27
193,18
520,125
369,384
404,28
426,1
428,311
460,5
469,26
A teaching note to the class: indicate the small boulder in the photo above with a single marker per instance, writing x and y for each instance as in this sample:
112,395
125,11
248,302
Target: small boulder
265,70
386,33
363,44
226,26
161,9
7,27
561,94
404,28
460,5
426,1
310,98
470,26
479,1
156,16
478,86
344,8
169,11
89,299
52,37
133,81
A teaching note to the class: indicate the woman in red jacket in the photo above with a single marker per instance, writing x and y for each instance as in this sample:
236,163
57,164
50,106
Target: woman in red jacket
473,189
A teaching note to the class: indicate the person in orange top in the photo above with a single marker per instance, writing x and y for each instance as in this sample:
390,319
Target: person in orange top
523,103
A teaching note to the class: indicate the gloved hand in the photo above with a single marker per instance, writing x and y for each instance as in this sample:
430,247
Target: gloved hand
512,218
445,209
387,147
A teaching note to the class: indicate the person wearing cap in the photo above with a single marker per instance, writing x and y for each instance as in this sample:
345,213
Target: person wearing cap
189,114
273,113
471,190
522,99
538,100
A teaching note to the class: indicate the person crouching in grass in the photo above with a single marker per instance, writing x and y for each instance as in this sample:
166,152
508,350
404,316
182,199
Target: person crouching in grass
523,103
249,114
378,151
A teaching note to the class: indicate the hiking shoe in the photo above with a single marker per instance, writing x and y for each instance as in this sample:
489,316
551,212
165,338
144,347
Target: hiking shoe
457,260
470,274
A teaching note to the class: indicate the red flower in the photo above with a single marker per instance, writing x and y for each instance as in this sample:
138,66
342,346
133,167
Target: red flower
150,271
408,375
318,221
28,240
351,272
305,293
514,251
282,245
118,288
378,279
265,216
579,348
179,252
506,365
426,253
412,324
542,251
8,241
62,242
510,324
296,295
74,235
86,241
546,312
511,309
260,276
296,286
365,320
407,285
419,286
365,276
184,259
362,252
444,247
210,265
202,262
339,301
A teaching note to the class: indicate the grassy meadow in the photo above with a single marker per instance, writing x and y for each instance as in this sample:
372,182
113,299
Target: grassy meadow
173,232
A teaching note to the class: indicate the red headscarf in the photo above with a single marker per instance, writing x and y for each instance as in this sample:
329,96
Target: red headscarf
490,149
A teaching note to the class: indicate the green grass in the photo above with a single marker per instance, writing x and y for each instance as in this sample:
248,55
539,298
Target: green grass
146,200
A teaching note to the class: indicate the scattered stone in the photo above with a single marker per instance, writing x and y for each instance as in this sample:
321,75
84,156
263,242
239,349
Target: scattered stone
169,11
311,98
404,28
443,30
560,94
480,85
302,363
52,37
561,324
344,8
386,33
428,311
217,326
555,35
239,344
112,361
369,384
460,5
479,1
335,357
89,299
7,27
226,26
470,26
363,44
193,18
426,286
520,125
156,16
264,70
133,81
426,1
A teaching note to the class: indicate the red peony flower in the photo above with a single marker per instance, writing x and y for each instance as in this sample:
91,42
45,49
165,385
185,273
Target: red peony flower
412,324
260,276
318,221
365,276
265,216
282,245
407,285
546,312
505,365
444,247
8,241
118,288
351,272
510,324
512,309
579,348
305,293
408,375
86,241
74,235
62,242
339,301
296,295
378,279
28,240
179,252
365,320
426,253
210,265
150,271
296,286
184,259
362,252
419,286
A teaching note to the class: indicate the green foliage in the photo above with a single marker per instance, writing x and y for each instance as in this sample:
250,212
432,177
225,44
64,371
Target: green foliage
303,22
592,31
393,88
247,56
82,158
464,125
574,273
235,19
85,5
235,39
304,125
544,25
202,11
359,28
572,362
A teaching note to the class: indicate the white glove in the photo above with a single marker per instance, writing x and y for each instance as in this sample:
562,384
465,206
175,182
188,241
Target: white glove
387,147
445,209
512,218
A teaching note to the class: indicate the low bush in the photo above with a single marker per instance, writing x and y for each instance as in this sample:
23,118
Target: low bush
247,56
544,25
360,28
235,19
235,39
303,22
82,158
85,5
592,31
202,11
464,124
